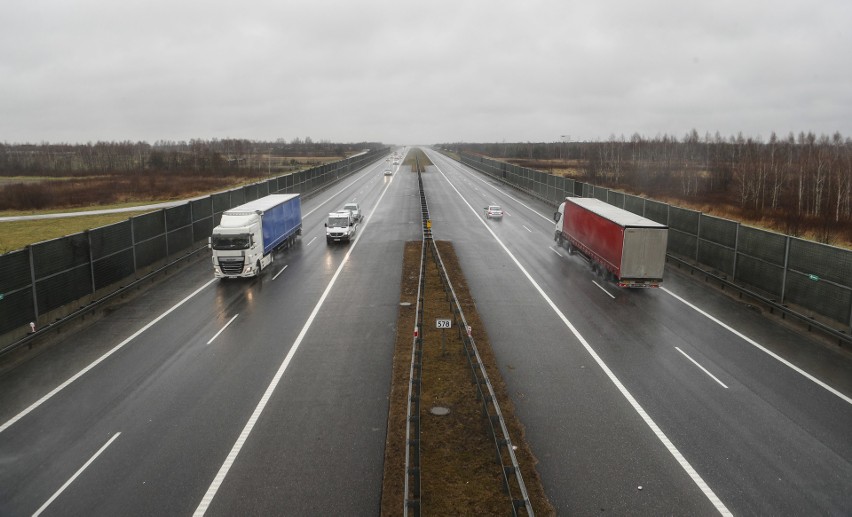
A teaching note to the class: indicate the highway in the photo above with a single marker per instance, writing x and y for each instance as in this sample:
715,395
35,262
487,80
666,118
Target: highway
269,396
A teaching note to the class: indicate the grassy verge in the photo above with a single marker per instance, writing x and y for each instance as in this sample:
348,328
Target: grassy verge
127,204
416,156
458,467
15,235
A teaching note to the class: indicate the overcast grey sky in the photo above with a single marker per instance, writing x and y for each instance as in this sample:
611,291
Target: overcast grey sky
421,72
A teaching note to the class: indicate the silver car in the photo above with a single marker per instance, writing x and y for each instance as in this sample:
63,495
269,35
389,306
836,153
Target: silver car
493,211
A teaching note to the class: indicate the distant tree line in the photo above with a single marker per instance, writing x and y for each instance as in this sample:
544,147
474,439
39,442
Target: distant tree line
200,157
805,175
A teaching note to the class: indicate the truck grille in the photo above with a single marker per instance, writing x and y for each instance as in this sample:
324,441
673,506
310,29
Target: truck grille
231,266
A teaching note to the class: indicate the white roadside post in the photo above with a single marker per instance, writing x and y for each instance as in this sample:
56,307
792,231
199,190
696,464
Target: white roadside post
443,324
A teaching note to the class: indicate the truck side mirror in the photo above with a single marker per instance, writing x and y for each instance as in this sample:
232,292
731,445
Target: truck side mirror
326,225
210,243
556,216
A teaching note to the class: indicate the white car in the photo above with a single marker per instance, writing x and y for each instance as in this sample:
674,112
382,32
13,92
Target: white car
354,209
493,211
388,172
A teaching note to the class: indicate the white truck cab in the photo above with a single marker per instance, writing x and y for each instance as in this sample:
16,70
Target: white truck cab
341,226
237,245
243,243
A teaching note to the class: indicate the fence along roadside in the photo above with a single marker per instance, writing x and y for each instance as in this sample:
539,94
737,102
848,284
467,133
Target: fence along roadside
778,270
51,282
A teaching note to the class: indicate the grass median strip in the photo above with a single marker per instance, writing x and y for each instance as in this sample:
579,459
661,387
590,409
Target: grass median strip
460,474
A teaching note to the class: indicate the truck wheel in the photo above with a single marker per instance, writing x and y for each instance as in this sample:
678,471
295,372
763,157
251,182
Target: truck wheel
570,248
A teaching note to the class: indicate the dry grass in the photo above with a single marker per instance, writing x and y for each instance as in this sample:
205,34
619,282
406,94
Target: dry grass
64,194
842,237
719,204
102,190
416,155
15,235
14,180
90,193
459,471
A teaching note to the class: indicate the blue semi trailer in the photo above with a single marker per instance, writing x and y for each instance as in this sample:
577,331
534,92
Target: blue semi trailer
243,242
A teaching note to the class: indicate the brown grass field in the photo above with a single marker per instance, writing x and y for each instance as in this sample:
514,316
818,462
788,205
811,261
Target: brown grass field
31,195
719,204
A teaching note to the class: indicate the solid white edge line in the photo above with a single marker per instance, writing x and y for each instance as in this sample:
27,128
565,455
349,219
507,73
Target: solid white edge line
508,195
604,290
342,190
747,339
687,467
76,474
82,372
261,405
722,384
99,360
223,328
278,273
759,346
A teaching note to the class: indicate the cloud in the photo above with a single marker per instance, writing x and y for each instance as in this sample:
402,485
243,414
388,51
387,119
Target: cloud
402,72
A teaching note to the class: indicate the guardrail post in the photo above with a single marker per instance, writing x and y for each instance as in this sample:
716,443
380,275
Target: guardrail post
133,248
33,281
698,237
850,317
736,250
192,218
784,273
166,232
91,259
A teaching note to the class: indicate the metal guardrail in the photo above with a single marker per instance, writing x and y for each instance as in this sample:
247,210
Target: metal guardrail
490,407
513,482
344,170
811,323
90,308
841,336
411,495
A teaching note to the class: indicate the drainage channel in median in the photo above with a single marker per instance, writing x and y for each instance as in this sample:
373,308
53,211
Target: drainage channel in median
459,472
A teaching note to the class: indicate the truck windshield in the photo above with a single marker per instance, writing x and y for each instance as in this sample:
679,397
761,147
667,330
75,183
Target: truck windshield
337,222
231,242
